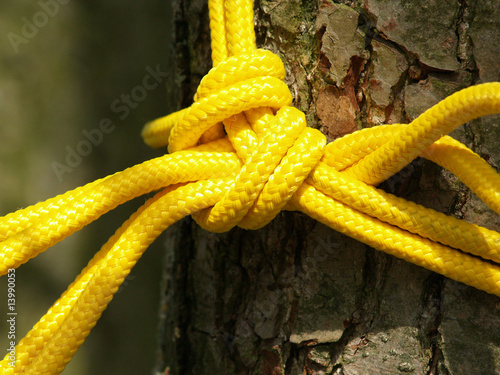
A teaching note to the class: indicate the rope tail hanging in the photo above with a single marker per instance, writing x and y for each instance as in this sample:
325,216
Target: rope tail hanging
238,156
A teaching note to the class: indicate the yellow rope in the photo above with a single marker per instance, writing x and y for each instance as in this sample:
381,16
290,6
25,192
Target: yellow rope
266,160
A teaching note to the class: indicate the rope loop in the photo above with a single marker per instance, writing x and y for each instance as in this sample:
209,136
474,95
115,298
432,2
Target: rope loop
240,83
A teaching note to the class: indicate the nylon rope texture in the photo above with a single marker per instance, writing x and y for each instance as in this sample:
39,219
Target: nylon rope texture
238,156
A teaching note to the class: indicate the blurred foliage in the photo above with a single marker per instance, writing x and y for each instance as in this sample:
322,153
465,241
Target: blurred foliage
62,66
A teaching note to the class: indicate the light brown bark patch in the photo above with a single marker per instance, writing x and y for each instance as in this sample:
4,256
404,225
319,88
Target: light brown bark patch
336,112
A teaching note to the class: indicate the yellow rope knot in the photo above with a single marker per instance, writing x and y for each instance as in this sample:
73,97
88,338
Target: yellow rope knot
279,153
266,160
247,94
285,166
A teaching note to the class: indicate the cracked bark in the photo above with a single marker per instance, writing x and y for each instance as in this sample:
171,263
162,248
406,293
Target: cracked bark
296,297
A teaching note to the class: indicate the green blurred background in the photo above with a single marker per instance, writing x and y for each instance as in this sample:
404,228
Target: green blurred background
55,82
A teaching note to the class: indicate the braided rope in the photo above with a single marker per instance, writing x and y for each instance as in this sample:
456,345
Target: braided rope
265,161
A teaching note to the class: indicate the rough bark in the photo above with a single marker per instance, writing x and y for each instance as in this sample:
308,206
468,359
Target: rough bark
297,297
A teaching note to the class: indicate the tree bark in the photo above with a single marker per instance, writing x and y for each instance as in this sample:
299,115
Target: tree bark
297,297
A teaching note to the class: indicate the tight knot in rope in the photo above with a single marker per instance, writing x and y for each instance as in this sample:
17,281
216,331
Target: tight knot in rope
246,93
283,162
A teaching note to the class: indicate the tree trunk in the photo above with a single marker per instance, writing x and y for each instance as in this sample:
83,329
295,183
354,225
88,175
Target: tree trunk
297,297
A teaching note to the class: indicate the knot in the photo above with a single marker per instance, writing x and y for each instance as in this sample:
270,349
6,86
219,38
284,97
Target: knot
282,161
246,94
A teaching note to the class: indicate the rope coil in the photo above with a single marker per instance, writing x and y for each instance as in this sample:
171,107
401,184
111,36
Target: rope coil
238,156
